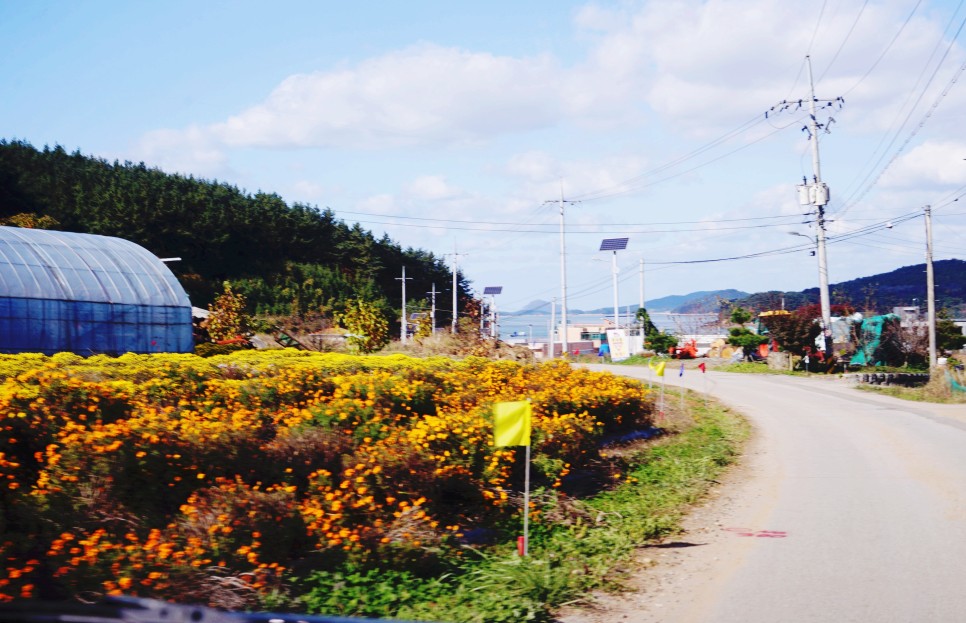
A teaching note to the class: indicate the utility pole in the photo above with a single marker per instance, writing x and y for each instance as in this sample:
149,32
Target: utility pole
432,313
563,275
456,256
564,346
930,290
816,195
641,301
402,329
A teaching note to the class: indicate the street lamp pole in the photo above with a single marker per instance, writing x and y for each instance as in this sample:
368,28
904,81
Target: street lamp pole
615,245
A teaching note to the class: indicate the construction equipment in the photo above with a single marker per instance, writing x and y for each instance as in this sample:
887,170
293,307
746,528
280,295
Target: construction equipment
688,350
285,339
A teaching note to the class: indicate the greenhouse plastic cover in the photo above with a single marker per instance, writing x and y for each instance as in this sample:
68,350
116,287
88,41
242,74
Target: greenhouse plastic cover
62,291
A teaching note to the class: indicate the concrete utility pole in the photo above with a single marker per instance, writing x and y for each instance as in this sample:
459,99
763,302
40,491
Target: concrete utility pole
432,313
565,348
456,256
402,329
820,198
930,290
816,195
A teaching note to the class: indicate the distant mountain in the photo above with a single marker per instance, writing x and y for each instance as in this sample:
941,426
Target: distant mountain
696,302
537,306
880,293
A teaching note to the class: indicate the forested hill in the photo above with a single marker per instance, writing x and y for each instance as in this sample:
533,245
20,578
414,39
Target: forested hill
285,258
904,286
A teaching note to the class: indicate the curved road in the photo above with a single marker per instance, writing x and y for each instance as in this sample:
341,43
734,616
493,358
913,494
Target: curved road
850,507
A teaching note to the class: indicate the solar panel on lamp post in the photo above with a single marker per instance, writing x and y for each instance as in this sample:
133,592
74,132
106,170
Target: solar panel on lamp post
492,291
615,245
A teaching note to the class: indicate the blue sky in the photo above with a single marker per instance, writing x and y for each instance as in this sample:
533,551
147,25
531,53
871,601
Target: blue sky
452,128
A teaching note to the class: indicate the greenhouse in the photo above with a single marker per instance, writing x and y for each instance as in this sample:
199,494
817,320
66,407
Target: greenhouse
62,291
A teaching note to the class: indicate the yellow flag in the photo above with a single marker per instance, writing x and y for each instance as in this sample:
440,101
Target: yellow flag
659,368
511,423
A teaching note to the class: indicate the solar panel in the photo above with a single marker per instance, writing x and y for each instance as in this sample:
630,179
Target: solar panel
613,244
493,290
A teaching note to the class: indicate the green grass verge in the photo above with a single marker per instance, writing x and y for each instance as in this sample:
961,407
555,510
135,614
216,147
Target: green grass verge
937,391
576,546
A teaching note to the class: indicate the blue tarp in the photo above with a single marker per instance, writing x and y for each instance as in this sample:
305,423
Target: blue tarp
63,291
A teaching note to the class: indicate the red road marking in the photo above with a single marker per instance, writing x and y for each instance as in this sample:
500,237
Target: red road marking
766,534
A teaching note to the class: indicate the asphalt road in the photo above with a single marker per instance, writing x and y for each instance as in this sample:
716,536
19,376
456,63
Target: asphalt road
850,507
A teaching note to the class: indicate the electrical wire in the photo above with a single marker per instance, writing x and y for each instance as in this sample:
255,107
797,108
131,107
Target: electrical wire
848,36
863,188
885,50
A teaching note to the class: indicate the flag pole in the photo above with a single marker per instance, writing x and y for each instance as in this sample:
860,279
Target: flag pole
662,397
681,379
526,505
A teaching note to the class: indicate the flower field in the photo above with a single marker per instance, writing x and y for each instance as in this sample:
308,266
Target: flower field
216,480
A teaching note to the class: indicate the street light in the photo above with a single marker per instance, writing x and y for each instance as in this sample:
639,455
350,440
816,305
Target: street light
812,240
615,245
492,291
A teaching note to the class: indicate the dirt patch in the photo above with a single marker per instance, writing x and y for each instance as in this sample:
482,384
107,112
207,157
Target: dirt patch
663,584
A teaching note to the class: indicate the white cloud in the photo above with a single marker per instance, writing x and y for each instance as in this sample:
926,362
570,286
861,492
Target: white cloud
702,66
707,66
932,163
190,151
424,94
431,187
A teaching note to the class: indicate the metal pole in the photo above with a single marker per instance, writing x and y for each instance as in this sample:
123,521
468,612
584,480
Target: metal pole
432,313
553,326
526,504
563,281
402,329
930,290
820,199
492,316
455,262
617,317
641,298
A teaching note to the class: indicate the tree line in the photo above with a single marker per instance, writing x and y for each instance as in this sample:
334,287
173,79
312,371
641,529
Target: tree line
286,259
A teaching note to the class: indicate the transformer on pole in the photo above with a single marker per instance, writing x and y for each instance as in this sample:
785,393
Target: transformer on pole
816,194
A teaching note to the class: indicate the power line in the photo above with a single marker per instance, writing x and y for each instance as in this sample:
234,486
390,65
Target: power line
862,191
544,206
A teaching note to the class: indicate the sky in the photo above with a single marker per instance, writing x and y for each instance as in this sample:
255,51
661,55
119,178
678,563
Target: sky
467,130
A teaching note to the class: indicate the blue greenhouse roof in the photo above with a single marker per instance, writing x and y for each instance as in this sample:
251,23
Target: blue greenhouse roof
66,266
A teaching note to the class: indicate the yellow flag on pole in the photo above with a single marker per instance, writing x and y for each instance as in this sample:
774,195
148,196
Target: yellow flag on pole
659,368
511,423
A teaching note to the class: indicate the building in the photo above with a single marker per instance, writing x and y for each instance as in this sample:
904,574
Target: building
87,294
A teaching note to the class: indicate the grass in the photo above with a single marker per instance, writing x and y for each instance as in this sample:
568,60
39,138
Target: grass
576,545
936,390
